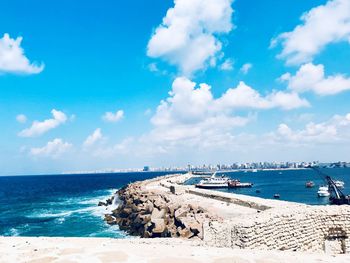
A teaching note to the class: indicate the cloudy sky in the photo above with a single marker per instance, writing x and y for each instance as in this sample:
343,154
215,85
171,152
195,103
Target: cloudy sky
90,85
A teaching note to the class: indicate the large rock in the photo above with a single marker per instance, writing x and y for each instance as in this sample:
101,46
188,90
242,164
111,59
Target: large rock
159,202
181,212
172,207
110,220
185,233
190,223
159,226
157,214
149,206
109,201
125,212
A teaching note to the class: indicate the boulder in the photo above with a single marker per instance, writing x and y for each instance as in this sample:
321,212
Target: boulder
109,201
143,198
125,212
145,218
124,224
185,233
135,208
159,226
157,214
172,230
159,202
181,212
149,206
172,209
190,223
110,220
147,234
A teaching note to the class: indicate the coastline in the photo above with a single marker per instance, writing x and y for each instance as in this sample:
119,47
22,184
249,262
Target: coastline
59,250
164,207
258,223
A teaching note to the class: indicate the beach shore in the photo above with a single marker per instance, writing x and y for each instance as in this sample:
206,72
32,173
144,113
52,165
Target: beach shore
69,250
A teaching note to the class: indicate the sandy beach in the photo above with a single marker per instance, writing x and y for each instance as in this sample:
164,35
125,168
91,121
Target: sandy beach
69,250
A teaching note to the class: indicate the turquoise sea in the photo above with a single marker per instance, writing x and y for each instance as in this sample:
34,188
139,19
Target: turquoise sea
61,205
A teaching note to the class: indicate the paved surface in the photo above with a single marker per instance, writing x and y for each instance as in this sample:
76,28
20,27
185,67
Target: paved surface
69,250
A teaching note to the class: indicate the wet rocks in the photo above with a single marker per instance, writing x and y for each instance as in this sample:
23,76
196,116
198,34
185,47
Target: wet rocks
110,220
108,202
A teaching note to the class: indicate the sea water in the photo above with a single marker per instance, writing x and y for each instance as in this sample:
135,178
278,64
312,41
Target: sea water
289,184
61,205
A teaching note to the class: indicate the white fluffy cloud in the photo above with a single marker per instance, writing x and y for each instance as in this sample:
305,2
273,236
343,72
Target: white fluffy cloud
221,140
12,58
312,77
191,113
38,128
21,118
322,25
227,65
188,35
93,138
245,68
335,129
245,97
52,149
113,117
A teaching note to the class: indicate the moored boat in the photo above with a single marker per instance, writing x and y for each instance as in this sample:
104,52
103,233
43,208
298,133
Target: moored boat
339,184
309,184
238,184
323,191
213,182
201,173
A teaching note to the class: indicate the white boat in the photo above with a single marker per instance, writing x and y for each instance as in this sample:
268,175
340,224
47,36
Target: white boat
339,184
323,191
213,182
238,184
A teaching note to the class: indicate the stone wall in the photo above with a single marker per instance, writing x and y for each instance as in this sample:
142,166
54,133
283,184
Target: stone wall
324,228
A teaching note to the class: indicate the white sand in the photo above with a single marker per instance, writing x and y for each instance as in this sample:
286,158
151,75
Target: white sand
45,249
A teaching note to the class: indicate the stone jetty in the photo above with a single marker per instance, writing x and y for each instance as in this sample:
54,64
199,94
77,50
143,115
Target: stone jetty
147,212
164,207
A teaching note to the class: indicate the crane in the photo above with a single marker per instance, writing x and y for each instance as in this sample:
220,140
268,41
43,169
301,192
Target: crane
337,196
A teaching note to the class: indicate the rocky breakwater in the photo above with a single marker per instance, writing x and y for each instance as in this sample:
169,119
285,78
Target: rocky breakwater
150,213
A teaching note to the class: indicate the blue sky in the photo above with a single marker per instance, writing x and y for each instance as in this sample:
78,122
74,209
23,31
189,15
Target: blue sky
84,59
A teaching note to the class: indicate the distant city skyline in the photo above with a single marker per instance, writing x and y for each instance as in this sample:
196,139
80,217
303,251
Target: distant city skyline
223,167
88,85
